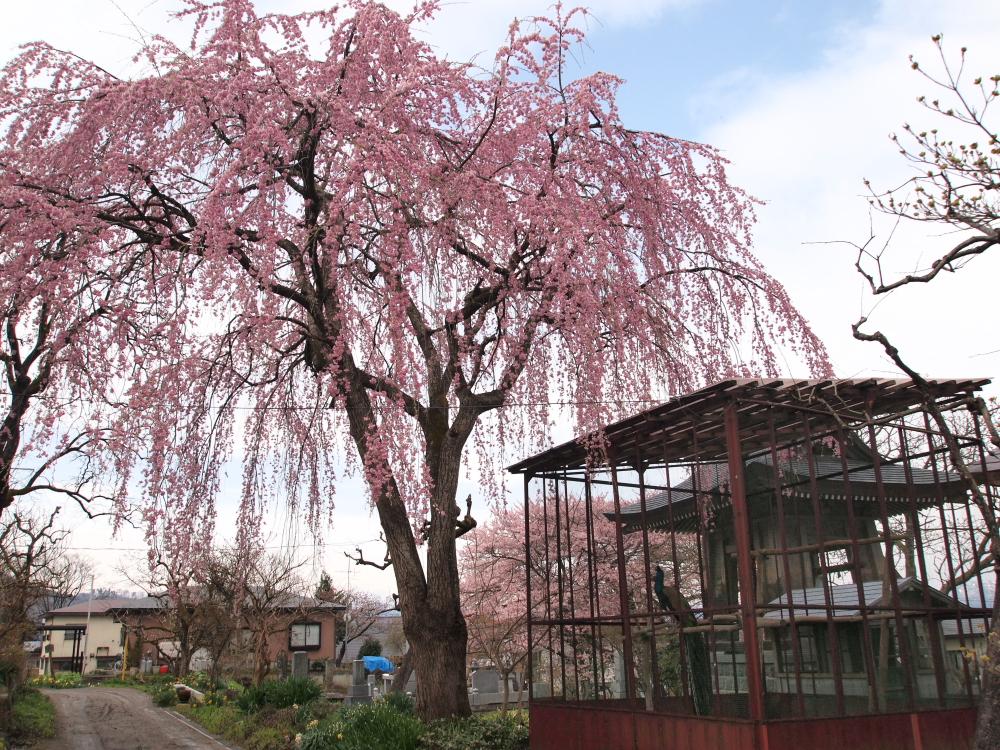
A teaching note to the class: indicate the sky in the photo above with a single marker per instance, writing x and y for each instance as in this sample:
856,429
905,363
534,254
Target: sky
800,96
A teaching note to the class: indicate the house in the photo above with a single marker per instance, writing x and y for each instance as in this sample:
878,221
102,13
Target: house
965,639
89,636
92,636
924,628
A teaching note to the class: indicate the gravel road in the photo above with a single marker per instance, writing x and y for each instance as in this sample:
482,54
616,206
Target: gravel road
99,718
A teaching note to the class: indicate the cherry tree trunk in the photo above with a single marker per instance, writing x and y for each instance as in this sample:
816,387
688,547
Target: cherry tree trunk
429,600
431,611
438,657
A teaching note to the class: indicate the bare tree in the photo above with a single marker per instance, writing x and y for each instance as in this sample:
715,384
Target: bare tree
181,624
363,611
265,593
35,571
956,183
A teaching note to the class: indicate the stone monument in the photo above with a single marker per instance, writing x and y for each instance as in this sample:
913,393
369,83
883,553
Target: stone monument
358,692
300,665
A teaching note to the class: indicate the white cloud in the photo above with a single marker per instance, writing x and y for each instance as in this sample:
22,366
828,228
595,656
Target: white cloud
805,142
466,28
110,31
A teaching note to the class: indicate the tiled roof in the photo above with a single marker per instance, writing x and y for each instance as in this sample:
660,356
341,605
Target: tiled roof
829,475
150,603
844,596
102,606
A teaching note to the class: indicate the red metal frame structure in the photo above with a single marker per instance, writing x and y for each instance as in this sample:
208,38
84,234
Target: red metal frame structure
831,592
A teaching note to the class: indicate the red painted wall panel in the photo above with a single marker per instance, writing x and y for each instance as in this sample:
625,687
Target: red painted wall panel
560,726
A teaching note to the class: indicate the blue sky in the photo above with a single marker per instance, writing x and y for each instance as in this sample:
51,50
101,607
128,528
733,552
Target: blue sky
689,67
800,96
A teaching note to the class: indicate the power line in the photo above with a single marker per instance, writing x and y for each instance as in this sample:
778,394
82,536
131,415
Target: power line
273,546
590,402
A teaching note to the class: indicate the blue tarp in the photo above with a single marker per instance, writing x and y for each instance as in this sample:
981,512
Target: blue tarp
377,662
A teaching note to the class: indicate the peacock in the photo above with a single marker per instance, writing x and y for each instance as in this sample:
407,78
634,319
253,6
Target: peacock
672,602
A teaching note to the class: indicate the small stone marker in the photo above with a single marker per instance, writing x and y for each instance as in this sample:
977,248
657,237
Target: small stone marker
300,665
282,664
331,666
486,681
358,692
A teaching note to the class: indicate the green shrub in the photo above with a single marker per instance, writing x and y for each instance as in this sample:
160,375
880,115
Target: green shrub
32,716
269,716
217,719
370,647
267,738
323,737
279,694
495,731
378,725
200,681
238,731
399,701
164,695
316,710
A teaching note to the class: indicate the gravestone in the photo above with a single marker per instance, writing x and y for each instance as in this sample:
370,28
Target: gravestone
411,684
486,681
282,664
358,692
329,666
300,665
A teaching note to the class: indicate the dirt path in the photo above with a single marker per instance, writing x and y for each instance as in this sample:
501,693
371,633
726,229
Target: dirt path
120,719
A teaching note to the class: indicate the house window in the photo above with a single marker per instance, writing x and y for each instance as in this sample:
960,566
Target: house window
72,635
812,649
303,635
851,649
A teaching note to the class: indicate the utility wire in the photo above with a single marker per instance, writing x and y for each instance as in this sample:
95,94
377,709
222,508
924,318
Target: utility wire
273,546
591,402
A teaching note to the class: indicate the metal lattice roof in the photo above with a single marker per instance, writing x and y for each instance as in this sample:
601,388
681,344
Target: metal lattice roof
692,427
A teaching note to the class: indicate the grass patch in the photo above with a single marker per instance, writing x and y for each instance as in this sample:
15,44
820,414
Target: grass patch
216,719
59,680
497,730
279,694
390,724
371,725
32,717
